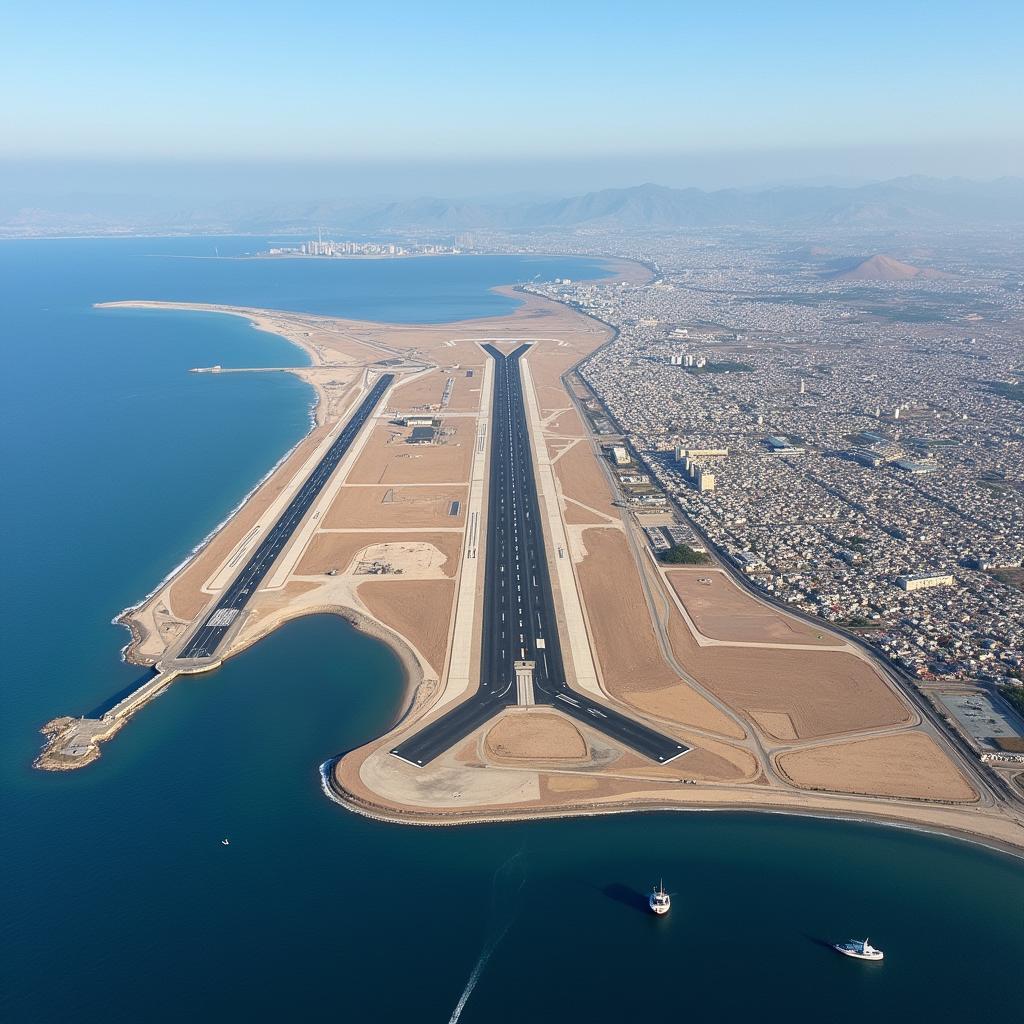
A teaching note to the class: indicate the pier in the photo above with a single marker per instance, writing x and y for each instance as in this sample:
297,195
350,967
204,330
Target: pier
75,742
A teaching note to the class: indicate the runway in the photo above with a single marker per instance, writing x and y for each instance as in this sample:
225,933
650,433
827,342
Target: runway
206,639
519,621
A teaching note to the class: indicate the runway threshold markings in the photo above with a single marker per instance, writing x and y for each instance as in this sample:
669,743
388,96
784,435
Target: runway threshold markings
207,638
515,538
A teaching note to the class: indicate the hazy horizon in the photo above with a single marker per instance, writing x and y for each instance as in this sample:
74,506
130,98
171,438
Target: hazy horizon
369,182
241,101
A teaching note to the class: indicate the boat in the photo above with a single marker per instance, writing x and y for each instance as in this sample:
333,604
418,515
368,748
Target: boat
225,842
659,901
859,949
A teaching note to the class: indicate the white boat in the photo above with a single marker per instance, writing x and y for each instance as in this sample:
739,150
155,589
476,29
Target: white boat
859,949
659,901
225,842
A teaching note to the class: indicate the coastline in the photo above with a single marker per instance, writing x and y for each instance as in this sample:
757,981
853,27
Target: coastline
82,735
416,695
124,617
340,796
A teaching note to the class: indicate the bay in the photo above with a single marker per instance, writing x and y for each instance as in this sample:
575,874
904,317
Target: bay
119,901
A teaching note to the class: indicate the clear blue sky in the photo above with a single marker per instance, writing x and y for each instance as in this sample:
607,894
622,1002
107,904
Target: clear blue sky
391,82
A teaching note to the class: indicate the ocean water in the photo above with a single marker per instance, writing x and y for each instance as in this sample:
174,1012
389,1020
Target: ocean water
119,902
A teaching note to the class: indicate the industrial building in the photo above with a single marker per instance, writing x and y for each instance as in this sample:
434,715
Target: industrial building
923,580
867,457
747,561
783,446
422,435
916,468
701,453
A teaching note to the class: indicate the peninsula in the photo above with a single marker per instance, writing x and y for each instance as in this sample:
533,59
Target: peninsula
456,497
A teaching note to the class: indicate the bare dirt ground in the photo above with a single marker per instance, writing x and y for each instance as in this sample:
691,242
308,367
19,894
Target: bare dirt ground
388,458
634,669
567,424
535,735
582,480
902,765
419,610
395,507
576,515
824,693
722,611
425,394
422,394
775,724
340,551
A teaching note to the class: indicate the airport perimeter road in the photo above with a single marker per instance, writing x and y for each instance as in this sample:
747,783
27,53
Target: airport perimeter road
207,637
519,623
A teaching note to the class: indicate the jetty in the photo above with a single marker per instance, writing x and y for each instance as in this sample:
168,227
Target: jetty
75,742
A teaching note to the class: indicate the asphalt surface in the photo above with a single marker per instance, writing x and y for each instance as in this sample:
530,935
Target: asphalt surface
207,638
519,621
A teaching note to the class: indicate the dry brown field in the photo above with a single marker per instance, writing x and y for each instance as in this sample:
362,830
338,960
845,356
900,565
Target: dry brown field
419,610
535,735
424,392
362,507
389,459
581,478
627,647
904,765
825,693
466,394
338,550
577,515
555,448
722,611
550,398
568,424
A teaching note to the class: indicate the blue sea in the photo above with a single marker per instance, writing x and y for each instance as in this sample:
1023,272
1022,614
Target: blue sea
119,902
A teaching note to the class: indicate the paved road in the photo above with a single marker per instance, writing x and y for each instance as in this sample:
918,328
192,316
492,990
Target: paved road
519,621
204,642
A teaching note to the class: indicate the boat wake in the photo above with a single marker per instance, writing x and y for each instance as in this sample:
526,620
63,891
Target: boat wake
506,886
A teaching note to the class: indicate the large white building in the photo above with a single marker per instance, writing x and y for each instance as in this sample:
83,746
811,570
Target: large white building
923,580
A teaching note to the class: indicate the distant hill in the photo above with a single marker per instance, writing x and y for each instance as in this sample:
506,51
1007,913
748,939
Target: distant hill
884,268
440,214
901,202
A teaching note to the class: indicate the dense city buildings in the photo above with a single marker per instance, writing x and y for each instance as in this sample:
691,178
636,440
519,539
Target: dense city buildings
322,247
866,437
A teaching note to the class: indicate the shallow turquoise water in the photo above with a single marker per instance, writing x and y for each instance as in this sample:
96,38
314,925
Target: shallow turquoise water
120,904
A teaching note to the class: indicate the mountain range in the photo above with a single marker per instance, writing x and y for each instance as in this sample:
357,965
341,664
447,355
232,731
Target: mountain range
900,202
